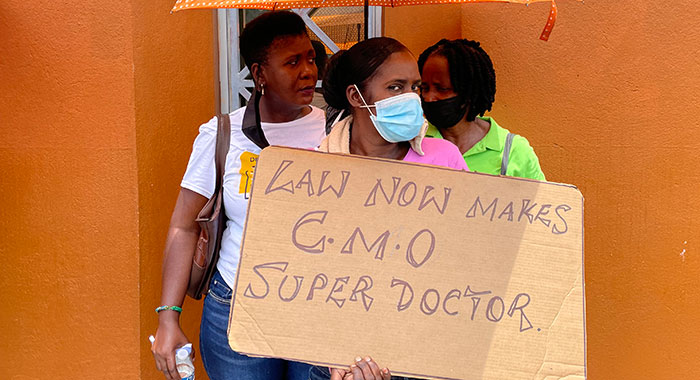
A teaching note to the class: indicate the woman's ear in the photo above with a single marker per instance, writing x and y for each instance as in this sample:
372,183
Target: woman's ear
257,72
353,97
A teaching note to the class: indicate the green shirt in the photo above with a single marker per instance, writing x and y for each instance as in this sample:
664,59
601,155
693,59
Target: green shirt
485,156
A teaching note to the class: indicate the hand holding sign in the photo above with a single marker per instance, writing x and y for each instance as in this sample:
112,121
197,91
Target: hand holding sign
361,369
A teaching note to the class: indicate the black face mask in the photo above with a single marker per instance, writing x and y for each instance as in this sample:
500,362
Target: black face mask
445,113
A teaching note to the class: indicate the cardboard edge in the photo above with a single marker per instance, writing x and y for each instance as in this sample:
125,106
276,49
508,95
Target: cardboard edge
338,365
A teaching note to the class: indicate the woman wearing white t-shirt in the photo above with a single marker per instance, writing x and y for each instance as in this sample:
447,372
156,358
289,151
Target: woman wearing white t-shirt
278,52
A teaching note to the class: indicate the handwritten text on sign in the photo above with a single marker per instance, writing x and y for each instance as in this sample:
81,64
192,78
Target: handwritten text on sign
335,242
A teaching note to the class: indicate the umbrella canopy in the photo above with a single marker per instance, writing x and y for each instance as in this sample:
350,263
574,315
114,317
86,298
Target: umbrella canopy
289,4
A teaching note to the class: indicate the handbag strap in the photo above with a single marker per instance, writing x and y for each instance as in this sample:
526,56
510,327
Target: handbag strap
506,153
251,124
223,141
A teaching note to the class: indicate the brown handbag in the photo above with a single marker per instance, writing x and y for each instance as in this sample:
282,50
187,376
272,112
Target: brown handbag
211,219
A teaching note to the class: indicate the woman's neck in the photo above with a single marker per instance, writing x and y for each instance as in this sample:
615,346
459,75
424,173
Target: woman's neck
466,133
366,141
277,112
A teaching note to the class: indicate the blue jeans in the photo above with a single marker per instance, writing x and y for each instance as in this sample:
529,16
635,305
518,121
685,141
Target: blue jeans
220,361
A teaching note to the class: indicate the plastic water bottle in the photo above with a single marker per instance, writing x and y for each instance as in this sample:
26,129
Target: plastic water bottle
183,361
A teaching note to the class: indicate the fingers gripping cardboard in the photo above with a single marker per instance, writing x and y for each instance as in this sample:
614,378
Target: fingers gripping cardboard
433,272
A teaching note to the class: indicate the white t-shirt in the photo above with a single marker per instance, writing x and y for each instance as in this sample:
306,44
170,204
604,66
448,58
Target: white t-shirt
200,176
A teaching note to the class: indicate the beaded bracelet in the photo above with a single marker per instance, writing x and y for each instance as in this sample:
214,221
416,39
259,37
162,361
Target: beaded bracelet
165,307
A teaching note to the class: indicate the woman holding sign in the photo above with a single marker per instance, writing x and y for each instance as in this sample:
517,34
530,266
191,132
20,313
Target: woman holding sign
277,50
376,83
459,85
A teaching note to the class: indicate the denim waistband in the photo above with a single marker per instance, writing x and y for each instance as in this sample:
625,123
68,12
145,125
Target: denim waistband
219,288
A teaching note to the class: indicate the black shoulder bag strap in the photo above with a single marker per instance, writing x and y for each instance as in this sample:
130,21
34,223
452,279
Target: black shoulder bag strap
251,126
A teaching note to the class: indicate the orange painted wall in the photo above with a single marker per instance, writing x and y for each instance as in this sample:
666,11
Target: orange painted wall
100,101
68,231
611,103
99,105
419,26
175,93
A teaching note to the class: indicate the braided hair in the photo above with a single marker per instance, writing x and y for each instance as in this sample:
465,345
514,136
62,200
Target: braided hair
471,72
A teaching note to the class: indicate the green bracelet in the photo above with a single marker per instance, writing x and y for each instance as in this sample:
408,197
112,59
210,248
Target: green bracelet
165,307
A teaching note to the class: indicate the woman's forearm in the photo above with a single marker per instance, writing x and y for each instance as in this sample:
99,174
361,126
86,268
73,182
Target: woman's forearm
179,250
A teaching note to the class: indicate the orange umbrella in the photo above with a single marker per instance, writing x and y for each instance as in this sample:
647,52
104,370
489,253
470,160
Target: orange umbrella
289,4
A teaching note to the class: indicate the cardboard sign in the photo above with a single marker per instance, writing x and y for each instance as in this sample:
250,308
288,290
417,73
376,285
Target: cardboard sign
435,273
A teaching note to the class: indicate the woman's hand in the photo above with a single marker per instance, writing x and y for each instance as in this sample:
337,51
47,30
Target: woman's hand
169,337
340,374
362,369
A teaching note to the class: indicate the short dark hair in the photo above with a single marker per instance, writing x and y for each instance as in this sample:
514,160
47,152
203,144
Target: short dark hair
471,72
259,34
321,57
355,66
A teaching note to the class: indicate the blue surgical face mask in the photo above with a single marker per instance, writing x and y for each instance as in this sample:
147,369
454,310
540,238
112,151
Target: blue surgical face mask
398,118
